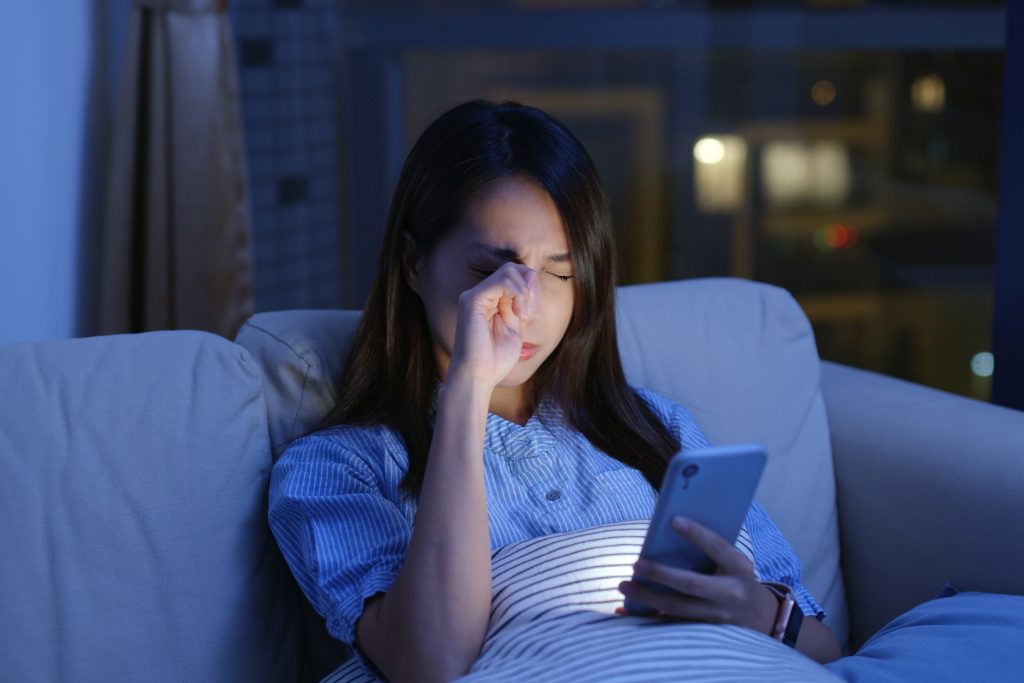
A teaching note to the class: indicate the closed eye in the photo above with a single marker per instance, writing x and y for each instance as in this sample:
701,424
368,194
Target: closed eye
485,272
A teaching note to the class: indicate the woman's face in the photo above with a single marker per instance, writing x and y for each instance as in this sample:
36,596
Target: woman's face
513,219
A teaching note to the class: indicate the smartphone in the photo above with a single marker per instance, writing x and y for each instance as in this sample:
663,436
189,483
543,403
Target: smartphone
712,486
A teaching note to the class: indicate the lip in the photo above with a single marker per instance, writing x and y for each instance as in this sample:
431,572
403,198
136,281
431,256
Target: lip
528,351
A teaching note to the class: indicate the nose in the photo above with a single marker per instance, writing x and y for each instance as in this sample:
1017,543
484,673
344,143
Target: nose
533,299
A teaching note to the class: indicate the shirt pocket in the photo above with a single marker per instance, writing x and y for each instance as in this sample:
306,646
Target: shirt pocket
626,489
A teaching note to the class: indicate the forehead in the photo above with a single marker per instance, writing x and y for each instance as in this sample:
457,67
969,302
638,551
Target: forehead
514,214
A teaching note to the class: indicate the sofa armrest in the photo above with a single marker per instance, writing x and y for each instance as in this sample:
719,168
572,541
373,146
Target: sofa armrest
929,488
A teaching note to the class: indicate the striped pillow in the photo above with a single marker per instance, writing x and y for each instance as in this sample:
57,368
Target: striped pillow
552,619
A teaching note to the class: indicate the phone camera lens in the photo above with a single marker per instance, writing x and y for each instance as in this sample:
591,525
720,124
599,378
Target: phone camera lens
690,471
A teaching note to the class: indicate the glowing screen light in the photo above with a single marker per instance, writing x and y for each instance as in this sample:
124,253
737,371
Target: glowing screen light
709,150
983,364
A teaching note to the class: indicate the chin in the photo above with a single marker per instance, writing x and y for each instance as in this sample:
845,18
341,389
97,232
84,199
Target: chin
521,374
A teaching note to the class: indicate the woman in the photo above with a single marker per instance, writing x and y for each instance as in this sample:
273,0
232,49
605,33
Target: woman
484,400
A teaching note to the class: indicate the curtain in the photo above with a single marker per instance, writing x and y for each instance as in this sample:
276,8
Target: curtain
176,251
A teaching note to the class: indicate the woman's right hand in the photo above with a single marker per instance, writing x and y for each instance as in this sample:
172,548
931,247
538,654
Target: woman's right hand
488,334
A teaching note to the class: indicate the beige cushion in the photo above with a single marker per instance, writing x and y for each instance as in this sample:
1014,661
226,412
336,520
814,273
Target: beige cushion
302,354
741,357
134,544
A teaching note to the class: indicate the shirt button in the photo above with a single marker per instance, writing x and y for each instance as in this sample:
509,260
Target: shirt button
554,494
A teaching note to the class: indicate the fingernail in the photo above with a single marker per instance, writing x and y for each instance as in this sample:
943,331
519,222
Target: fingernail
641,567
682,524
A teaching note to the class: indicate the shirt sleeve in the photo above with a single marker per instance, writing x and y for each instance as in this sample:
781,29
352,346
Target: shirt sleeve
342,538
774,557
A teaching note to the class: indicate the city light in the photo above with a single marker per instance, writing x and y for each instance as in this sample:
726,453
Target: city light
799,172
823,92
718,173
928,93
983,364
836,236
709,150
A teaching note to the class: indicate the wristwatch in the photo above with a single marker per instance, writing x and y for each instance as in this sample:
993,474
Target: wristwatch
789,617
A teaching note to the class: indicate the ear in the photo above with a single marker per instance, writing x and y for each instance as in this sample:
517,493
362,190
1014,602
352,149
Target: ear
412,263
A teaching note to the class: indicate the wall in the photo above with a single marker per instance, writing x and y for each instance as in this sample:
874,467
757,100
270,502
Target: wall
55,80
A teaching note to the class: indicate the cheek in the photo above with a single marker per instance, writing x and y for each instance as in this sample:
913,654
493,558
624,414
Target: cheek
556,310
561,308
441,304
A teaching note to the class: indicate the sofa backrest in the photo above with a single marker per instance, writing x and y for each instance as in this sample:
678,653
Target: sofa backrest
133,480
739,355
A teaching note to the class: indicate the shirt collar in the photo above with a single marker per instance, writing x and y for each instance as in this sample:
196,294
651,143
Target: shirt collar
513,440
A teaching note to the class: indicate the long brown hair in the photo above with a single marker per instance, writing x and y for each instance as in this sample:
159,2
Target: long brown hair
391,372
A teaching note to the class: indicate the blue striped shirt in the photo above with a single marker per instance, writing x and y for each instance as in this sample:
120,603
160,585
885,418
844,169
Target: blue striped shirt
344,525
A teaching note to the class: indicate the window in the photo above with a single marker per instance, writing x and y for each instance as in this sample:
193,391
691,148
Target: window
847,151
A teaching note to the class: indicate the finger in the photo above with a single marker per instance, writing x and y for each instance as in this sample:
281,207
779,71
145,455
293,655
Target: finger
502,282
520,307
529,278
724,554
516,290
673,604
533,302
724,589
507,315
684,581
515,272
525,279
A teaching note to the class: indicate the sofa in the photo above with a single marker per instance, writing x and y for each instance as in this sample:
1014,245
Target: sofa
134,473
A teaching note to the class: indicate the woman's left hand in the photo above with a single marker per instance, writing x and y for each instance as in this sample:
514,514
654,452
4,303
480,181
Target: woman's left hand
731,595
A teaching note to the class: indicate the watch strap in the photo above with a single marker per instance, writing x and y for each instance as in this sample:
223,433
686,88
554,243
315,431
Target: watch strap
789,618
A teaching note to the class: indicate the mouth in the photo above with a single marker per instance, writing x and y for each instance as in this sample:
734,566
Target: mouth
528,351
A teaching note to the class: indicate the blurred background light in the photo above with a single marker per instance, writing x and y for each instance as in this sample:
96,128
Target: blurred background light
823,92
718,175
785,167
836,236
983,364
806,173
928,93
709,150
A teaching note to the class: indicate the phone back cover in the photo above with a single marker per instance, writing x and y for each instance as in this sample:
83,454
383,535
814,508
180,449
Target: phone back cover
717,496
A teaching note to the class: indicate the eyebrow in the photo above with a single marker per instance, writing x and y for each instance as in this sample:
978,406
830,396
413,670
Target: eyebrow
513,255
